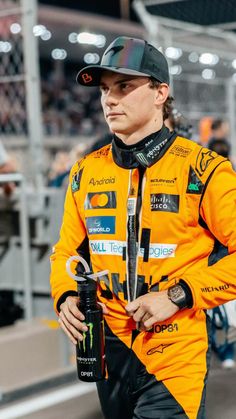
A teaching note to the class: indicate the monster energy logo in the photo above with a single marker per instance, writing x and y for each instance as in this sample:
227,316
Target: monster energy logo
90,334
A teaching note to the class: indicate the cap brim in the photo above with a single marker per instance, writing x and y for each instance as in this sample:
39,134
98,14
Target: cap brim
91,75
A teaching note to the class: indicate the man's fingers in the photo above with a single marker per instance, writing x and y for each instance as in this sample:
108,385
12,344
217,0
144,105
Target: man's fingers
150,322
132,307
104,308
71,304
72,328
139,314
67,332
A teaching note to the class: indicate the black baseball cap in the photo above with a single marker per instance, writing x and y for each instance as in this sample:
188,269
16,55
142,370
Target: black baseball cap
127,56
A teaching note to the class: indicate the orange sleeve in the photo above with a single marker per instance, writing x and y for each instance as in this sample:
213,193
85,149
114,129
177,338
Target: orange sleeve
72,237
216,284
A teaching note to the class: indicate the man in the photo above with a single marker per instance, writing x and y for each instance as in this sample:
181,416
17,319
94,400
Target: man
148,209
219,134
6,166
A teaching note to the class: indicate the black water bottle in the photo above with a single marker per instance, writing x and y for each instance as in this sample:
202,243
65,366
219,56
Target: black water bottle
90,352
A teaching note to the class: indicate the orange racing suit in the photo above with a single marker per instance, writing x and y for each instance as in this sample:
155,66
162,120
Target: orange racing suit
182,204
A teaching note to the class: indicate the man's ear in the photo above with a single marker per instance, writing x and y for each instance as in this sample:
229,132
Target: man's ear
162,93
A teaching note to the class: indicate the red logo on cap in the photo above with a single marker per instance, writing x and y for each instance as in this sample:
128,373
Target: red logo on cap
86,78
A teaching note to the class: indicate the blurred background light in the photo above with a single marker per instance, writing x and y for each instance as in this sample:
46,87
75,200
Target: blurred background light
173,53
208,74
193,57
208,58
91,39
175,70
90,58
46,35
234,63
73,37
5,46
15,28
39,30
59,54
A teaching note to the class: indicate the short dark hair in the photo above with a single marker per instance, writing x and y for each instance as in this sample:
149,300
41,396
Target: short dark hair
216,124
167,106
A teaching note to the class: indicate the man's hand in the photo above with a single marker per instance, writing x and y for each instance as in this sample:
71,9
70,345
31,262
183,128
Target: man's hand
71,319
151,308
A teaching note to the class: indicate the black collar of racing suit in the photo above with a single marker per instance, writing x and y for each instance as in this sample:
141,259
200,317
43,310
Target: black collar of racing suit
146,152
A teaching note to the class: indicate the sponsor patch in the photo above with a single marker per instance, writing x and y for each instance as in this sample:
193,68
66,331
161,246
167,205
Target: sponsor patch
195,186
101,152
166,182
180,151
102,181
204,159
212,289
160,251
107,247
102,200
75,184
159,348
164,202
101,225
115,247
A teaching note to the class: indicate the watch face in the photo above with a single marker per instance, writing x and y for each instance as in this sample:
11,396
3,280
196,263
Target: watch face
177,295
177,292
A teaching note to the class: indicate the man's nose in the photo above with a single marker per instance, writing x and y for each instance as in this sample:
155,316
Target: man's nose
110,99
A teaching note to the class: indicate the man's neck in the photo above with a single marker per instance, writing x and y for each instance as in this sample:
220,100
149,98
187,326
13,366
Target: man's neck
137,136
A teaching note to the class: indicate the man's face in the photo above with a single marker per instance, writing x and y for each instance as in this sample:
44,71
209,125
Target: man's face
128,102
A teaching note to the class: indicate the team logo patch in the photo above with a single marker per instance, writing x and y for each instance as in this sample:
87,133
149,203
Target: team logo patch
75,185
101,225
195,186
87,78
204,159
164,202
100,200
161,181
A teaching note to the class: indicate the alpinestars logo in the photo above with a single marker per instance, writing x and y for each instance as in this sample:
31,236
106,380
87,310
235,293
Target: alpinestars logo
204,159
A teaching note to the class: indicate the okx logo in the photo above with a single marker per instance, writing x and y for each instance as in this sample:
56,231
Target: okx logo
101,225
195,186
164,202
100,200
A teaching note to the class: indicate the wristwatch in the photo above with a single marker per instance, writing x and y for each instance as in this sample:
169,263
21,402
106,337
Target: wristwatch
178,296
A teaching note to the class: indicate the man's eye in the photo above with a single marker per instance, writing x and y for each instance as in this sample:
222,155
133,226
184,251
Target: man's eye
103,89
124,86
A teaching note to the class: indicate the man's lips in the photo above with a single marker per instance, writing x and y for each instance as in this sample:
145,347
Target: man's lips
113,114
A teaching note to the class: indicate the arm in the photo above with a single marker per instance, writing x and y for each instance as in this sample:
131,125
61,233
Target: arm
72,241
64,289
216,284
212,285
